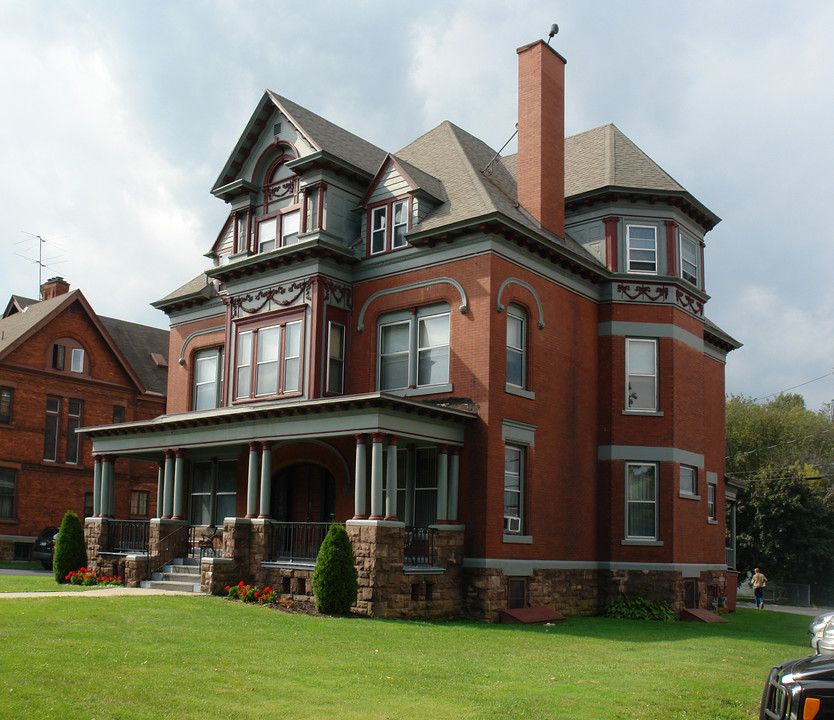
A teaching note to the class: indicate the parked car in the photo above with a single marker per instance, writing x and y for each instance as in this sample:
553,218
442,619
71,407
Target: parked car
45,546
821,631
801,689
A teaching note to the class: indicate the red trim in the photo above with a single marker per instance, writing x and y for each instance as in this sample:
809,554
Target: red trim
671,249
389,224
611,254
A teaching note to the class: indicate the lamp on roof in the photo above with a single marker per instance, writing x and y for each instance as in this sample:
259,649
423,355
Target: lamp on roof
554,29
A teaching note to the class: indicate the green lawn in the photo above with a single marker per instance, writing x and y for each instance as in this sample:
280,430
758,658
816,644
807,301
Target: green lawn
204,657
34,583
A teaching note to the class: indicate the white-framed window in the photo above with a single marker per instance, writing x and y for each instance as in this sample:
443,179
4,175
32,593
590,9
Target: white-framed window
387,225
8,488
642,249
335,358
73,423
50,433
689,260
641,501
516,346
641,374
139,503
77,361
711,515
688,480
208,378
278,231
413,349
513,489
268,360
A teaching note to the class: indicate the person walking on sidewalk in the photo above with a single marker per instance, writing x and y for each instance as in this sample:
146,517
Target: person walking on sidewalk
759,582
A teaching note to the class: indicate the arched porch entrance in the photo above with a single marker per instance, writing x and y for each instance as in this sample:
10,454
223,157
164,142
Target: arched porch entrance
303,493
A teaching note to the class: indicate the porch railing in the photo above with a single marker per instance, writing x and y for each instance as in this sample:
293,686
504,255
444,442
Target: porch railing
419,547
128,536
173,545
293,542
204,542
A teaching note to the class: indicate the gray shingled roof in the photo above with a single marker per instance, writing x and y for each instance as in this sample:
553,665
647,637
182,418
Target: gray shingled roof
16,325
197,286
136,343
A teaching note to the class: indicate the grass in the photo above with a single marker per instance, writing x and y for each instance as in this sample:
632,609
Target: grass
20,565
35,583
204,657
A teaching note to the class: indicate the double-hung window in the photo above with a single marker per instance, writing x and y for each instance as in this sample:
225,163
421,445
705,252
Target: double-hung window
268,360
50,434
77,360
335,358
278,231
73,423
641,501
8,485
688,480
711,513
641,375
6,403
689,260
516,346
208,378
414,348
642,249
388,224
513,489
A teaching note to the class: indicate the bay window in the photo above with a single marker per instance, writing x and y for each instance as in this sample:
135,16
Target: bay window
689,260
641,375
642,249
641,501
335,358
268,360
208,379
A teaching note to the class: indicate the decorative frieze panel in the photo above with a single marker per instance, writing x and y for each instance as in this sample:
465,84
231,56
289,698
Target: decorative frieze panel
660,293
286,295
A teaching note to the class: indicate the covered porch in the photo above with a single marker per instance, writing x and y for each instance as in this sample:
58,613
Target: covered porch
266,481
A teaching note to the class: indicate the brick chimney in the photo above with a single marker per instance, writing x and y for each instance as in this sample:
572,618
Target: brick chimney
541,135
54,287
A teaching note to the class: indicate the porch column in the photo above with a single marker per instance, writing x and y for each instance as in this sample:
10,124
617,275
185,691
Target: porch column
160,488
106,486
97,486
391,480
179,482
410,478
360,479
168,503
454,471
376,477
252,488
443,483
266,478
213,500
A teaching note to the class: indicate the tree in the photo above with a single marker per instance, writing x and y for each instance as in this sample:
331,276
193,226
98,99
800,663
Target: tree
335,582
785,521
70,549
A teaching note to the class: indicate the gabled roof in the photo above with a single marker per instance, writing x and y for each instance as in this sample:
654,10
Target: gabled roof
414,176
17,303
322,135
130,343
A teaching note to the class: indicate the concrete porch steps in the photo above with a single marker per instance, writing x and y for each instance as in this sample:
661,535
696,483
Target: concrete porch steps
181,575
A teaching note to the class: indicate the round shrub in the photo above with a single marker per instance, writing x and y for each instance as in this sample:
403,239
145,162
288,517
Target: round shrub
70,549
637,608
335,583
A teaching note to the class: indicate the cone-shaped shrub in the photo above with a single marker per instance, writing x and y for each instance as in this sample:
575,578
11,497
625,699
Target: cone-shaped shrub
70,549
335,583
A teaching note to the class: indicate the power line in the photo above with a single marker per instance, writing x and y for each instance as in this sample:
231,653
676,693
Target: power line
807,382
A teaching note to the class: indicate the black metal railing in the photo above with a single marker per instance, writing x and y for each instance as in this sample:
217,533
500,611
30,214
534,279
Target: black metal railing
293,542
205,541
128,536
419,547
173,545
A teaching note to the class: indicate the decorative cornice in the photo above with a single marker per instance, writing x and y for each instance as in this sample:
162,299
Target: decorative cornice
658,292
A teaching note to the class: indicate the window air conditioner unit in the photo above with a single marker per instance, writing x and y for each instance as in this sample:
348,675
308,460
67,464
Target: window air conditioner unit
512,524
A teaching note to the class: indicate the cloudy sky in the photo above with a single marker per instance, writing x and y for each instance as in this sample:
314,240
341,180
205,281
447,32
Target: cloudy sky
118,117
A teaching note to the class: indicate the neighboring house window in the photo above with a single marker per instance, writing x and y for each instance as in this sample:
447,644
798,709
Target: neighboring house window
58,355
335,358
139,502
641,501
388,225
414,348
208,378
641,374
73,423
50,434
689,260
77,362
516,346
269,361
642,249
688,480
118,414
711,502
6,402
8,485
513,489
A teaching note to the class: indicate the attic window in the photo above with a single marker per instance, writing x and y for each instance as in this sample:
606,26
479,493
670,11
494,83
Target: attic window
159,360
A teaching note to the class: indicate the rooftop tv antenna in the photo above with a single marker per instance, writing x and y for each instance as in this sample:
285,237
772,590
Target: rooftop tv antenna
41,262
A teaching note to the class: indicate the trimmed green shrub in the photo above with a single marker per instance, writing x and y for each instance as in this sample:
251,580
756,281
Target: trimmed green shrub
335,583
70,549
637,608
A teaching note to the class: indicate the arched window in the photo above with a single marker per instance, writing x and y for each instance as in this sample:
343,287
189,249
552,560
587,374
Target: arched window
279,224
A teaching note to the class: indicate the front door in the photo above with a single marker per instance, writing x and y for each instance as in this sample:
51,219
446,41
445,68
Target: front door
304,493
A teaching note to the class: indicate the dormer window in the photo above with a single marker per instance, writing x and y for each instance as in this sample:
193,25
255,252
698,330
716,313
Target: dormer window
388,223
642,249
689,260
278,231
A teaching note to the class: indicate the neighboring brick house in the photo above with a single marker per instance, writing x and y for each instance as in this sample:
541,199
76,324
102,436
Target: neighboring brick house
495,370
62,367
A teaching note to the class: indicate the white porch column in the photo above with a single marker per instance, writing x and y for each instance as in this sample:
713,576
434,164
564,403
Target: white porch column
179,483
360,479
160,488
213,501
410,481
443,483
454,473
266,478
376,477
168,505
107,486
97,487
391,480
252,487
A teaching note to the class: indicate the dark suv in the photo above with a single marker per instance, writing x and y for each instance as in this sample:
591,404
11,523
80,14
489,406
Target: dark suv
45,546
801,689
